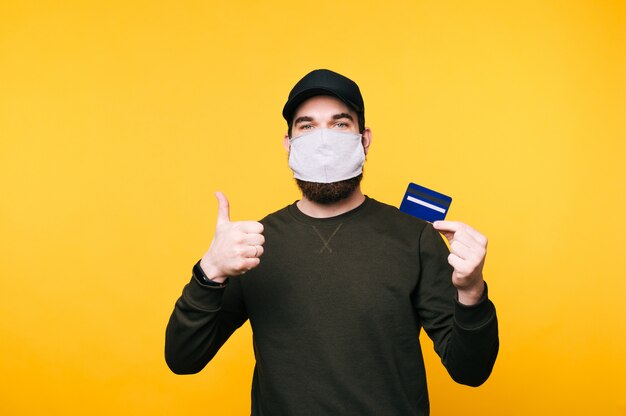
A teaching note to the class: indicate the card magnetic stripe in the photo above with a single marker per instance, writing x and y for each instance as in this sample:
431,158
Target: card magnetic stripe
429,197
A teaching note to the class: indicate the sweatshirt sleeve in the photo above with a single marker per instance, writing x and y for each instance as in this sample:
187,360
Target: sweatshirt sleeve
204,317
465,337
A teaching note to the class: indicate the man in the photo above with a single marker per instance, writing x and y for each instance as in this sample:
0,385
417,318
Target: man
337,285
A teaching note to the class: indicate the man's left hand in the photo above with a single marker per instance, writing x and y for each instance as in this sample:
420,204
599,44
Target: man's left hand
468,249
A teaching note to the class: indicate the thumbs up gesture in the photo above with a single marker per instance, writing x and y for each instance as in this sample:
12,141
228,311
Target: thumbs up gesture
468,249
236,246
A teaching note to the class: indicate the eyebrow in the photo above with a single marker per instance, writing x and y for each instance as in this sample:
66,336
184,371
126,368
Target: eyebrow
302,119
343,115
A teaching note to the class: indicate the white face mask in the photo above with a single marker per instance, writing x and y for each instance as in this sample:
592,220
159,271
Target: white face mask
326,156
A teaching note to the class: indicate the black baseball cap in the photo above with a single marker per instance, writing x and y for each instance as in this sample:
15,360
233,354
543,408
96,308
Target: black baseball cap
324,82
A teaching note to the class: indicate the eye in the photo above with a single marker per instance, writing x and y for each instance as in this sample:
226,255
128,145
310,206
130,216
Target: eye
306,127
342,124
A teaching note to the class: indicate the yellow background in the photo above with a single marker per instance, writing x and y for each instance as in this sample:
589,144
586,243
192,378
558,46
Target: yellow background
119,119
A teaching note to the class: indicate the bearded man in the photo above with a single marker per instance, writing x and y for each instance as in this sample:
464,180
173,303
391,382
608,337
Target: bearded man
337,286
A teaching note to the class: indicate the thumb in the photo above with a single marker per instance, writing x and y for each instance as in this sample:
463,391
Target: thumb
223,209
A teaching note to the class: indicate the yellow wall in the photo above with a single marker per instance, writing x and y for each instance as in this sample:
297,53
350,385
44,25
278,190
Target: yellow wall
118,121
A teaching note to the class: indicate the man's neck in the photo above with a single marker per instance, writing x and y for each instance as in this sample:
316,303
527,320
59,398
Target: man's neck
316,210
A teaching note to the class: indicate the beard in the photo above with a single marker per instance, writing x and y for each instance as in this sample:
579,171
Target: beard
328,193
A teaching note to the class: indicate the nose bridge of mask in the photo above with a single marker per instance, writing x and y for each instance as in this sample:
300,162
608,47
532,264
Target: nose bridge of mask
326,146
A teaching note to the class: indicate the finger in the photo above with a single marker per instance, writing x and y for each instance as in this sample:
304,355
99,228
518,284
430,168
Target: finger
461,250
246,265
249,227
252,251
471,251
450,226
455,261
223,209
456,226
462,236
251,263
254,239
460,266
481,239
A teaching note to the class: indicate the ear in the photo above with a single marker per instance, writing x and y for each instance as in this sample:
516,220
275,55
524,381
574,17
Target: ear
286,142
366,139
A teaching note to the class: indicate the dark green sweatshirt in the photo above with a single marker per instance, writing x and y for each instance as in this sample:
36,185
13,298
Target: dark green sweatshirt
336,308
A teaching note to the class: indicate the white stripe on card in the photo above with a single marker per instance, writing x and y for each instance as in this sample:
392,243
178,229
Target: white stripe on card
426,204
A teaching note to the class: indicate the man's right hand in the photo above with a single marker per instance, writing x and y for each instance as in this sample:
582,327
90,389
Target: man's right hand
236,246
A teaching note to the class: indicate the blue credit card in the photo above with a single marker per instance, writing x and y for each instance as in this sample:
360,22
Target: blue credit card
425,203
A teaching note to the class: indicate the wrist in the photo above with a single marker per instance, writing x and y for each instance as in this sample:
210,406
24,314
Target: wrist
471,295
211,278
211,272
